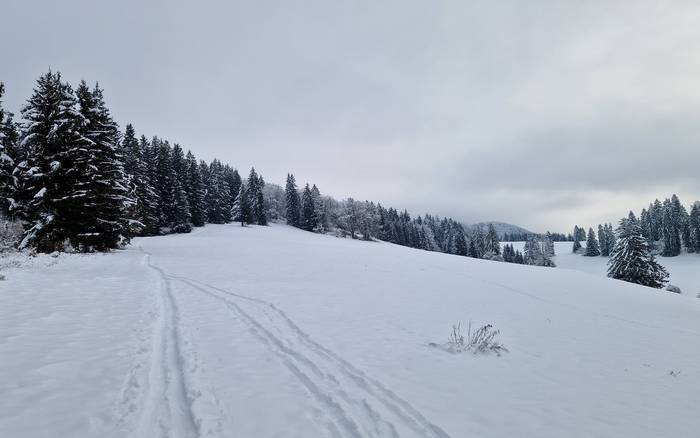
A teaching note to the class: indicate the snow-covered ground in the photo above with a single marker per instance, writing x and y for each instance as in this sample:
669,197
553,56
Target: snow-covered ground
275,332
684,270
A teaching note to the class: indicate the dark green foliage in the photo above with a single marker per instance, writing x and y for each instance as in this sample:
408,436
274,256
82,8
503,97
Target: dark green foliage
694,229
195,191
631,260
51,194
293,202
308,210
592,247
100,216
7,158
241,210
255,196
144,211
577,240
492,244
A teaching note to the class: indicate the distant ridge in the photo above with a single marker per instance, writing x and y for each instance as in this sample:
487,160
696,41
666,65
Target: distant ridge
501,228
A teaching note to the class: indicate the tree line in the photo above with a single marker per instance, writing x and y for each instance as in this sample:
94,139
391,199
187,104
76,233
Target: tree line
664,228
667,227
73,180
307,209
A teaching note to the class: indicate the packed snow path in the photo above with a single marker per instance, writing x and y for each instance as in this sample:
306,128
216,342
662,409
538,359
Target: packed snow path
274,332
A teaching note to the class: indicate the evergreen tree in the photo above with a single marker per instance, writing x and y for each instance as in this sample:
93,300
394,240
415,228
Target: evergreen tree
519,258
508,253
694,229
321,214
631,260
144,211
577,240
152,215
656,220
50,195
492,243
671,229
461,247
293,202
218,200
592,248
532,251
255,197
548,245
196,191
479,240
102,203
308,210
603,241
233,181
7,163
257,201
241,207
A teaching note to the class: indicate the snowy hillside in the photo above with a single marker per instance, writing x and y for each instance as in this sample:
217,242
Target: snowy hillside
275,332
684,270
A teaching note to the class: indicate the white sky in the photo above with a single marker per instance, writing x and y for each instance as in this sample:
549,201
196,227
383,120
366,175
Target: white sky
541,113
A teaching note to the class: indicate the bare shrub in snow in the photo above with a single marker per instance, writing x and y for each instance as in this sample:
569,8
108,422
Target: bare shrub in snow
480,341
673,288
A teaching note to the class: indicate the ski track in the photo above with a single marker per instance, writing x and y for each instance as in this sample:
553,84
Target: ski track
319,370
166,410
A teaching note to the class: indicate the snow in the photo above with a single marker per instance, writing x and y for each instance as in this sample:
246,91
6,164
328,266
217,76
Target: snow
276,332
40,193
684,270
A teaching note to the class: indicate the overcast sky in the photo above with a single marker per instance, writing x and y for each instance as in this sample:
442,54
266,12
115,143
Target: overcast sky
539,113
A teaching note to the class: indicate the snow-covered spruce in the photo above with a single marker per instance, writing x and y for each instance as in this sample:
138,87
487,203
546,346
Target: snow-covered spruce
631,260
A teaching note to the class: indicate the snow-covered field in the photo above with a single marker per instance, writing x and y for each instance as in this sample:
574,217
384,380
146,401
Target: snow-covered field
684,270
275,332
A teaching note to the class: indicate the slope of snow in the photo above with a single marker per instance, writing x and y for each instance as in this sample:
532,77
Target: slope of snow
684,270
275,332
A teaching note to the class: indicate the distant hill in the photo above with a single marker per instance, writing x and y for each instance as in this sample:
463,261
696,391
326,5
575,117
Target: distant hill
501,228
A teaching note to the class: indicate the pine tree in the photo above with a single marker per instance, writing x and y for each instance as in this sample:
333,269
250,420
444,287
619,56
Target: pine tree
50,196
308,210
321,215
656,220
592,247
508,253
293,202
492,243
7,163
694,226
195,191
479,240
577,240
255,197
549,245
101,217
257,200
164,184
182,216
218,200
532,251
461,247
631,260
148,200
670,229
233,181
241,207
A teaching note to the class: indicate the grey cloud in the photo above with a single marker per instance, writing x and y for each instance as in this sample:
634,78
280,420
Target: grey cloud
481,110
